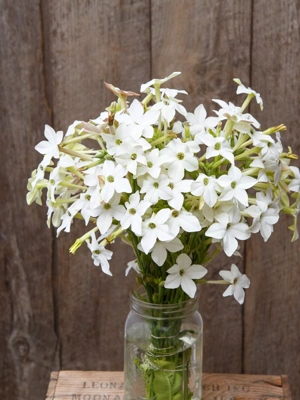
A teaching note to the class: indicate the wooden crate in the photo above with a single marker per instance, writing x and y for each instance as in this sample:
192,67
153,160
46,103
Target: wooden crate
95,385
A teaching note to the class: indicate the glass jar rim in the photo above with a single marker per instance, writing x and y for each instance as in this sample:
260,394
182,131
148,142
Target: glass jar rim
172,310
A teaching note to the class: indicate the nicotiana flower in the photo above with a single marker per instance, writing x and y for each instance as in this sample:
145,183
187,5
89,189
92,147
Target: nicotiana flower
265,214
156,188
179,159
235,185
294,186
132,265
238,282
145,88
234,114
199,121
135,209
178,186
106,212
154,228
154,160
137,119
100,254
228,229
131,160
169,105
49,147
182,274
185,220
114,180
206,186
160,250
242,89
217,146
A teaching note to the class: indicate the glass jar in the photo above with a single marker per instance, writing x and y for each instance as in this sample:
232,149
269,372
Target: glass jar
163,351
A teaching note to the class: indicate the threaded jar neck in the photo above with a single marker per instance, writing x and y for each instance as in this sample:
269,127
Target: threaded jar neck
161,311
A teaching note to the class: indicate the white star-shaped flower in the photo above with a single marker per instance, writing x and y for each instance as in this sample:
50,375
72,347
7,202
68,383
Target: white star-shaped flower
137,119
169,105
179,159
206,186
294,186
156,188
114,180
159,252
106,212
100,254
145,87
154,160
131,160
235,185
135,210
238,282
227,229
185,220
199,123
178,186
49,147
242,89
182,274
217,146
156,228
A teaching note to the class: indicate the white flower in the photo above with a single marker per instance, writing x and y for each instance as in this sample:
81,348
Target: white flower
238,282
100,254
49,147
206,186
154,160
183,273
185,220
198,121
114,180
228,229
294,186
83,204
107,211
67,219
132,159
169,105
217,146
159,251
132,265
242,89
145,87
120,142
235,185
156,228
138,119
178,187
135,209
179,159
73,127
268,214
233,113
156,188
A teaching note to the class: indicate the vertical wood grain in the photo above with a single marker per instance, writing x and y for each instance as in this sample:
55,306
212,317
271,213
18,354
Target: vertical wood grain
272,313
209,42
89,42
28,341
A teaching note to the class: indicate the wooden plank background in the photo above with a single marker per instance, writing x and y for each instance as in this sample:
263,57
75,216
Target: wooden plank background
59,311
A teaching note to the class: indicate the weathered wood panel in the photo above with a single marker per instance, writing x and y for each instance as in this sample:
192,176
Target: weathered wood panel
89,42
28,340
209,42
272,314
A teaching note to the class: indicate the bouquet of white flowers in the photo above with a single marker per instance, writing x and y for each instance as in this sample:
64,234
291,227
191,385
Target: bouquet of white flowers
179,191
